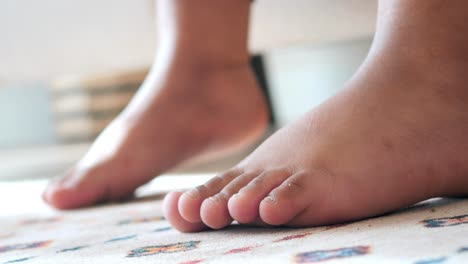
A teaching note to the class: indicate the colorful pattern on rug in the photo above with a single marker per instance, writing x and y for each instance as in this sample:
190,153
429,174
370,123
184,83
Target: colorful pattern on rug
463,250
25,246
322,255
241,250
72,249
292,237
141,220
171,248
120,239
433,261
36,221
446,221
18,260
193,261
137,233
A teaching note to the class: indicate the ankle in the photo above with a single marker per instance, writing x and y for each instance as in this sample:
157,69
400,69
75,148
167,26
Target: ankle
198,58
429,36
210,30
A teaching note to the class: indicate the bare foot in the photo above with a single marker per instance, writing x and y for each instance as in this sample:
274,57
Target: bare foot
181,113
395,136
200,100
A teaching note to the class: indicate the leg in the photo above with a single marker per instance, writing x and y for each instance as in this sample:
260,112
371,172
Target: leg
399,125
200,100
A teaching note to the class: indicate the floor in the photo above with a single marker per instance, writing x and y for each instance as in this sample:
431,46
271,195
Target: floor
434,231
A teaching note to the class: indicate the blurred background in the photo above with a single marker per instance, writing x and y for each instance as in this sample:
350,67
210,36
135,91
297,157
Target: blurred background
68,67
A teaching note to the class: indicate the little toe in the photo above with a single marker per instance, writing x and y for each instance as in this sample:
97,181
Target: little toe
172,214
214,210
244,206
292,198
190,202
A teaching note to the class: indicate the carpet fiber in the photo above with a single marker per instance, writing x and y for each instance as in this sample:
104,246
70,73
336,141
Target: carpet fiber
435,231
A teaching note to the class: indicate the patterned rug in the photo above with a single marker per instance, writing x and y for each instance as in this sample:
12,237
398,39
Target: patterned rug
435,231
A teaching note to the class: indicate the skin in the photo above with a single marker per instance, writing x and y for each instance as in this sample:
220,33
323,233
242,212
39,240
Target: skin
395,135
199,101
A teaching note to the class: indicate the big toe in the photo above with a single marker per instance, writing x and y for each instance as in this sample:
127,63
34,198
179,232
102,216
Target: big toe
298,201
76,189
172,214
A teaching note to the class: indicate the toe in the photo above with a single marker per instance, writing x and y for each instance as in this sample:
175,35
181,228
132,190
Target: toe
190,202
298,193
87,186
71,192
172,214
214,210
68,198
244,206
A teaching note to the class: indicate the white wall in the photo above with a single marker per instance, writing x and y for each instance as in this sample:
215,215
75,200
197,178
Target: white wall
48,38
302,77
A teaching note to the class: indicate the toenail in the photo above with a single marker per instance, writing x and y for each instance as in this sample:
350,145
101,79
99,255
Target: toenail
270,198
216,198
197,192
193,193
249,188
61,183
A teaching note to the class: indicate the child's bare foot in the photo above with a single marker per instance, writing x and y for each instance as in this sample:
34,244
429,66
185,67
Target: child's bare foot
207,112
395,136
201,99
